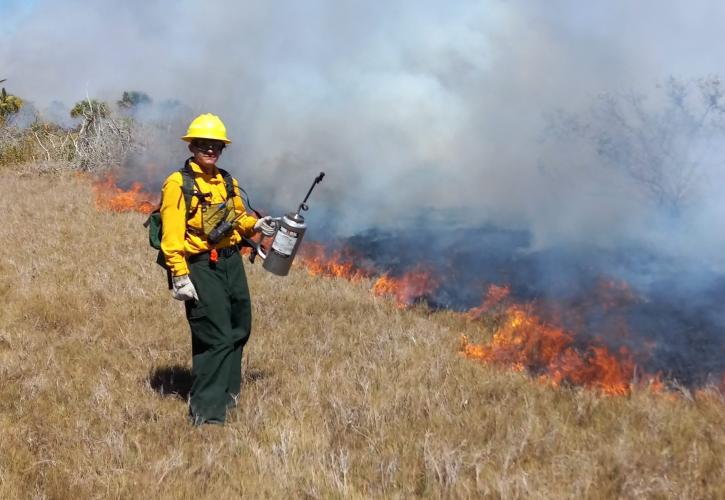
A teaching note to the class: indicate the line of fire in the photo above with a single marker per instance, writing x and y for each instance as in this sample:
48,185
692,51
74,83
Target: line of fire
599,333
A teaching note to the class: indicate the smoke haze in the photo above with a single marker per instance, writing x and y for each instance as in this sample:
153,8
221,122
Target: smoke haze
411,107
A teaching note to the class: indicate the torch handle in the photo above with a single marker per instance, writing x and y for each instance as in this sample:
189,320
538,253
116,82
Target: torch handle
318,179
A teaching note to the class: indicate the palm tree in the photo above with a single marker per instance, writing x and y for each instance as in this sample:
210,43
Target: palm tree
9,104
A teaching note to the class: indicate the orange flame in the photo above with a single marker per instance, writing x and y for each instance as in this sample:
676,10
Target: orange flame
406,289
524,341
112,198
495,296
339,264
654,383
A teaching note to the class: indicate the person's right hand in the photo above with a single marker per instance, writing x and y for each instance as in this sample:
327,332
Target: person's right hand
183,288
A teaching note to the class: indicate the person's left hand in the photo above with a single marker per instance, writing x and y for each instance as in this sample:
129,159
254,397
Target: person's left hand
264,225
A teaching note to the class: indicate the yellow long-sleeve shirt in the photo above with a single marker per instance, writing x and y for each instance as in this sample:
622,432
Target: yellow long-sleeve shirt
176,242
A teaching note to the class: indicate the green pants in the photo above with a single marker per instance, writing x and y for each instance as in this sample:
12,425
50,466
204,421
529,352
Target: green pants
220,321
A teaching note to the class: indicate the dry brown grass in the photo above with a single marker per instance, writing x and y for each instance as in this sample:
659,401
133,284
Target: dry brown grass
344,394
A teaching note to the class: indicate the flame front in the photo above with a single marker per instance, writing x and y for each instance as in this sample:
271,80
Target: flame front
339,263
494,296
405,289
110,197
408,288
524,341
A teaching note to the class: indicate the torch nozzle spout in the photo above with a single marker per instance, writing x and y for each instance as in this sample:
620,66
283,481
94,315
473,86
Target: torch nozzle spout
303,205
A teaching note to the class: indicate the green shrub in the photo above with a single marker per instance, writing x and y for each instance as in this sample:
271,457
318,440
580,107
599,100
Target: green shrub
9,105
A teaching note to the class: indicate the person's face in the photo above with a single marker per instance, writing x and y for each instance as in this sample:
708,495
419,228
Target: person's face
206,151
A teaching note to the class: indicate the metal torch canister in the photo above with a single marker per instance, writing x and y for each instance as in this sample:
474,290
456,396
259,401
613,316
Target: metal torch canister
287,238
291,228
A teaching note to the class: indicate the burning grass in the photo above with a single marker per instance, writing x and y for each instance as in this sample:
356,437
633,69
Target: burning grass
345,394
338,263
524,342
406,289
521,339
109,196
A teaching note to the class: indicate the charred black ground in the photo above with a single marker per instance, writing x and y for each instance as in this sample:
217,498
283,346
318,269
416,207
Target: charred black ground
668,313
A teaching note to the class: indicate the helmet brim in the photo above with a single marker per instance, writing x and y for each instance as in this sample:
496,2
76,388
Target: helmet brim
189,138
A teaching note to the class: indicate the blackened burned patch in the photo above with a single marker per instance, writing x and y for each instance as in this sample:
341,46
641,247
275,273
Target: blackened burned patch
667,312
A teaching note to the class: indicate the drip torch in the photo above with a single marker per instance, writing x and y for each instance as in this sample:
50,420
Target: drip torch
289,231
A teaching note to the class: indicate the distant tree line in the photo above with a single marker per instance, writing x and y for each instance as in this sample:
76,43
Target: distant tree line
100,134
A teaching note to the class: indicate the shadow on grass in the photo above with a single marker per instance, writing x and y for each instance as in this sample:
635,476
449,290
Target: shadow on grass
171,381
176,380
251,376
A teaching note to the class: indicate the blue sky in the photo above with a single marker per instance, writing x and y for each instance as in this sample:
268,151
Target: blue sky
13,12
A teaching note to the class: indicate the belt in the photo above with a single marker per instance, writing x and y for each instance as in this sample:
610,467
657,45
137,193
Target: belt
222,253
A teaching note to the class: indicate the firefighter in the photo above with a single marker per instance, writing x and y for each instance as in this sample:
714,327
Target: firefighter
209,278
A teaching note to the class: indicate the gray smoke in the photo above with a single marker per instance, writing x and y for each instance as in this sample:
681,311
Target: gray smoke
411,107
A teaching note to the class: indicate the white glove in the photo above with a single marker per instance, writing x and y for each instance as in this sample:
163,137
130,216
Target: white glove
183,288
265,226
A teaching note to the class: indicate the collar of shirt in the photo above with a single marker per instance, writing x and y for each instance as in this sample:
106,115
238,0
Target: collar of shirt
212,177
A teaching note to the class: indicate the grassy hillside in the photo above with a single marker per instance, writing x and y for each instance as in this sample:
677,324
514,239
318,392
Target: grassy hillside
344,394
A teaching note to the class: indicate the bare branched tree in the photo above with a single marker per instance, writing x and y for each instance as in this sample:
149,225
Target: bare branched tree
663,142
102,140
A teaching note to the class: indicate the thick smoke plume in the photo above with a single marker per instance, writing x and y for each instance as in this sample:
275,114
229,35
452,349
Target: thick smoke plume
411,107
547,144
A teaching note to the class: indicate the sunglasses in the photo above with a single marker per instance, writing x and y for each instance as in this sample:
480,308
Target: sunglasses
214,146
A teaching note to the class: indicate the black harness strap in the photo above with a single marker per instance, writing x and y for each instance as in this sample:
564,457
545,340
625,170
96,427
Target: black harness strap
191,189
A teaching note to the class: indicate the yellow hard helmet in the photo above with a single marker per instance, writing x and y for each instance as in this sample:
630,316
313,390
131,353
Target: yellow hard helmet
207,126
